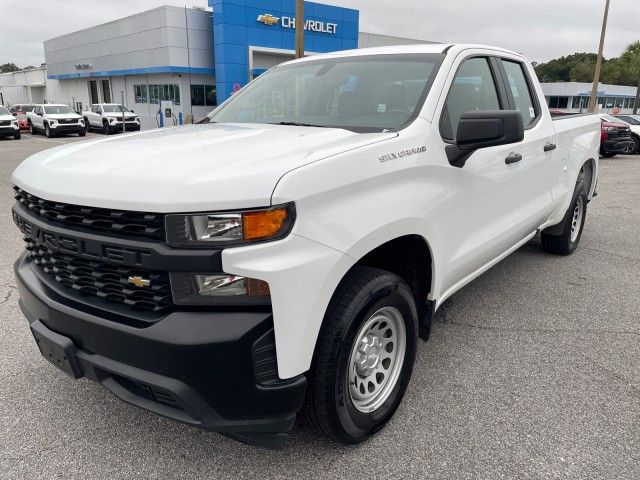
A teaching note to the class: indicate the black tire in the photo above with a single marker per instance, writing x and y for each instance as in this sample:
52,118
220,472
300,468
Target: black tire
47,131
32,129
87,125
17,136
82,132
563,244
634,148
105,128
329,408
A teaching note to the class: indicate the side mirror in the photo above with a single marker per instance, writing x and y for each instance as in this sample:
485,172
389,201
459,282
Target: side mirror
483,129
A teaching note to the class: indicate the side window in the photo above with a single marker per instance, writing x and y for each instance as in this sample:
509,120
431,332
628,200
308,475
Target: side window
473,88
521,92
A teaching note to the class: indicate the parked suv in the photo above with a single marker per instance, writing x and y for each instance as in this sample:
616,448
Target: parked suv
108,117
615,136
54,120
8,124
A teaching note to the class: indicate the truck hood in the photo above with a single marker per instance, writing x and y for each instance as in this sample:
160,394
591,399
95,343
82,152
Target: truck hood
4,118
56,116
184,169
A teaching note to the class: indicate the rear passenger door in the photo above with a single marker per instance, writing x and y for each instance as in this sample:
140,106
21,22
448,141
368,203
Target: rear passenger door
538,149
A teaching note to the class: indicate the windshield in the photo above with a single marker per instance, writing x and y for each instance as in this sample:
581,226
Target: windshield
630,119
4,111
367,93
57,109
114,109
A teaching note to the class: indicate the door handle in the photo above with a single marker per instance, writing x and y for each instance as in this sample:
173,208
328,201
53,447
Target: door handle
513,158
548,147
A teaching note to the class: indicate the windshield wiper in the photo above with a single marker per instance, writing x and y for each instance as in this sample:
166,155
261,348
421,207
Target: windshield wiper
299,124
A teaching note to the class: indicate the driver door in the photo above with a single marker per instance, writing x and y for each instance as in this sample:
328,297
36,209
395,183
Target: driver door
482,215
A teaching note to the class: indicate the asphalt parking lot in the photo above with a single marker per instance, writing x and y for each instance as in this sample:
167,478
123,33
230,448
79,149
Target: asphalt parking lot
532,371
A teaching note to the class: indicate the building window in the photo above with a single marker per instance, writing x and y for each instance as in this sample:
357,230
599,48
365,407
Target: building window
203,96
558,102
141,93
157,93
580,103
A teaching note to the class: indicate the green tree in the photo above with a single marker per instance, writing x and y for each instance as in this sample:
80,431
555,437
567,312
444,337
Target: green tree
8,67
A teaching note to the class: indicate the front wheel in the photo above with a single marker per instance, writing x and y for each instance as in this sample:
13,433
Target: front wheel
47,131
32,129
364,356
106,129
82,132
634,146
567,241
17,136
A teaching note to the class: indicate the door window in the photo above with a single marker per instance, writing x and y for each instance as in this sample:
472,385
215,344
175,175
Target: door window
473,88
106,91
521,92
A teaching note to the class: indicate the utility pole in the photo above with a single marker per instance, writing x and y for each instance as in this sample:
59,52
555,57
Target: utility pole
299,28
596,77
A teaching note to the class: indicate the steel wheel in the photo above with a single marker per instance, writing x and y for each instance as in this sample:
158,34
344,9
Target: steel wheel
577,219
376,359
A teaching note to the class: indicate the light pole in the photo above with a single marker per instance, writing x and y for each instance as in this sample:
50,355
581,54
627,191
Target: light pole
596,76
299,28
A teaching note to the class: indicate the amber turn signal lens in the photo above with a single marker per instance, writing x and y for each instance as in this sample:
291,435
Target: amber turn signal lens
263,224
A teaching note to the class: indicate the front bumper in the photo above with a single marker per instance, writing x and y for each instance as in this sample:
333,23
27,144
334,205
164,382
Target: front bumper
203,368
129,126
66,127
8,130
616,145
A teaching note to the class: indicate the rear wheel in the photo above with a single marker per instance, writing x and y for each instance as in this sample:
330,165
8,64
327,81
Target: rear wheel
566,242
32,129
364,356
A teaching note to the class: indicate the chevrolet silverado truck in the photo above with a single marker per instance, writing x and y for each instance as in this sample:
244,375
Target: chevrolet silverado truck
53,120
285,255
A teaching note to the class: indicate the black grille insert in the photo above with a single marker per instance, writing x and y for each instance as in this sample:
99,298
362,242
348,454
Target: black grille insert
104,280
120,223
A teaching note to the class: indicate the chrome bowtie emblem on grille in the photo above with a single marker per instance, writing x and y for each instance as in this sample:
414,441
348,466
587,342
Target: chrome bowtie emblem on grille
139,282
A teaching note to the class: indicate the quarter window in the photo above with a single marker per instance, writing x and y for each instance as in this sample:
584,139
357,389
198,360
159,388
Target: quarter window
520,91
473,89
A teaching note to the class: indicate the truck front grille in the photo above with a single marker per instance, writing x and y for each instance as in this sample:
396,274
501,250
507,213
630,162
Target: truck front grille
104,280
119,223
5,123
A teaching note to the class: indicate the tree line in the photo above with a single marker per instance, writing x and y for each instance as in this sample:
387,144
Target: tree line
580,67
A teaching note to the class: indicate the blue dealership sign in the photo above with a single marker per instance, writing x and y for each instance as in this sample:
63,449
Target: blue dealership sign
241,24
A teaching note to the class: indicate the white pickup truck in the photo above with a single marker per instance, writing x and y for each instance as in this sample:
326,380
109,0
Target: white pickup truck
108,118
286,255
53,120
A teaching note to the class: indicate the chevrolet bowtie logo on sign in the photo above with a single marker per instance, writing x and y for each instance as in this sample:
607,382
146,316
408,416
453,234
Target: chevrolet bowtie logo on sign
139,282
268,19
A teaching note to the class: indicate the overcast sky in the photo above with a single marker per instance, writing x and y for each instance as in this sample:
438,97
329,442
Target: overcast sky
541,29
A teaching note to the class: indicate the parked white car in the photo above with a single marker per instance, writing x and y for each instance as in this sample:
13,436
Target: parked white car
108,118
634,124
53,120
286,256
9,126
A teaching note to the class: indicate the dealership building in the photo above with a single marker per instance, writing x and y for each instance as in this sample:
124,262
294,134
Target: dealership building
574,97
196,58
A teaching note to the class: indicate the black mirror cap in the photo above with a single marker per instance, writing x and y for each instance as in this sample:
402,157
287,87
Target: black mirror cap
488,128
482,129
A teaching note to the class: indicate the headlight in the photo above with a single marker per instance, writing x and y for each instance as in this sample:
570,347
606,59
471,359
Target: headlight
610,129
226,229
218,289
112,120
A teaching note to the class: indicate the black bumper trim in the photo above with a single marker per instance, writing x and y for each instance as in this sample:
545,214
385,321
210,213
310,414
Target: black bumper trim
194,367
